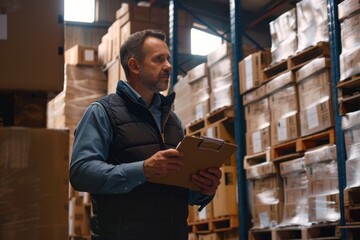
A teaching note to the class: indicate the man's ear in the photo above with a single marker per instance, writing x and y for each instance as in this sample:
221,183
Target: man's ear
133,65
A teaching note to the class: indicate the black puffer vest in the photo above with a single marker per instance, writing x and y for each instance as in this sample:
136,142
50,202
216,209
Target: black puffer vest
150,211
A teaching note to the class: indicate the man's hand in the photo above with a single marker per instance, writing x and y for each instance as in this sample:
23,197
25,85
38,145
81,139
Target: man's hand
162,163
207,180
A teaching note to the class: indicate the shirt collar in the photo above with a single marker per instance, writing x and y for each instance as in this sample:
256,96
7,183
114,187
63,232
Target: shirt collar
137,97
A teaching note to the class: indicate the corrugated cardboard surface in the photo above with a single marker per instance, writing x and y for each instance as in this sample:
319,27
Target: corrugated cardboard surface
34,183
30,58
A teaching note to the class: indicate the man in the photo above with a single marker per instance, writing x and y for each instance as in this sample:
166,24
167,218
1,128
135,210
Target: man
125,138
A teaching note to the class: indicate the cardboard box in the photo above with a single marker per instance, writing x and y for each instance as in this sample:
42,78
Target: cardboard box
261,170
312,23
324,208
32,54
220,69
79,218
257,140
197,72
34,187
280,82
317,118
283,32
285,129
223,51
223,130
295,214
132,12
225,199
254,109
321,154
292,166
349,63
254,95
81,55
223,97
283,103
265,216
350,36
346,8
251,70
352,171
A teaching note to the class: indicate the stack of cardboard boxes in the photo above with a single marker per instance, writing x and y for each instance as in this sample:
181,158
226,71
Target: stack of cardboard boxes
33,159
85,82
350,38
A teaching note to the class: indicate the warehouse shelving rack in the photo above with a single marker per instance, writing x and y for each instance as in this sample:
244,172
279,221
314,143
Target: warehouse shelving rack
236,35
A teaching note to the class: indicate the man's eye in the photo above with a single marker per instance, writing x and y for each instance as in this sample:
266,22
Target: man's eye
159,59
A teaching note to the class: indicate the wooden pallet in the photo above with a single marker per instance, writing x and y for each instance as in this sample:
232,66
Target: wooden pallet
352,214
321,49
293,63
318,231
260,234
220,224
353,231
258,158
225,223
297,147
220,115
352,196
203,226
349,95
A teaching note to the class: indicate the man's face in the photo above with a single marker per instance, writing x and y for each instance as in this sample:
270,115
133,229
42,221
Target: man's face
156,67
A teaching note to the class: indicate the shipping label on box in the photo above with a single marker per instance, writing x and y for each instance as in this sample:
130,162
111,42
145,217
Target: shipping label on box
285,129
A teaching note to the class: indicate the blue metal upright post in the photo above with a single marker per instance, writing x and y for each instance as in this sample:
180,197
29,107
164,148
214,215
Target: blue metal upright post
335,49
173,39
236,40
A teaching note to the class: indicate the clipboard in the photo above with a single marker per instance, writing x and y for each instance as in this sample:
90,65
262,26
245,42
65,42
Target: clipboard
199,153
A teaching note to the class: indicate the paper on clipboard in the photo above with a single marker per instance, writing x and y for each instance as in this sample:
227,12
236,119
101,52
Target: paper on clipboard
199,153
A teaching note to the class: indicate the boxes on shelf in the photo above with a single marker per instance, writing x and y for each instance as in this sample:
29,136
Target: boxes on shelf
349,63
23,108
251,70
183,102
283,32
79,216
315,96
295,192
284,114
266,191
222,130
350,32
257,116
312,23
198,78
84,85
81,55
322,175
115,73
352,168
351,128
348,7
324,208
219,63
254,95
34,185
225,199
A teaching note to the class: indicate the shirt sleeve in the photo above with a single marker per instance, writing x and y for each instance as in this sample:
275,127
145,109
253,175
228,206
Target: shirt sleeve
89,168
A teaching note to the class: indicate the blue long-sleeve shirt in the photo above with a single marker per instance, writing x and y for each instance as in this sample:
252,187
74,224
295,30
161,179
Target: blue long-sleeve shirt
89,170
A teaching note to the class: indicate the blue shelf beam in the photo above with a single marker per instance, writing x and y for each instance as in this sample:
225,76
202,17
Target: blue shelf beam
236,41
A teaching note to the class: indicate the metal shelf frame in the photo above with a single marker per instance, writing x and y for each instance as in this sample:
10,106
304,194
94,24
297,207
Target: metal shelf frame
237,32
